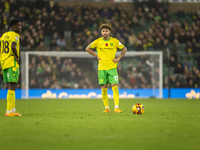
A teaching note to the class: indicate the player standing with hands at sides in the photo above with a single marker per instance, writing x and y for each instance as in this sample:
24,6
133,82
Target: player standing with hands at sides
106,47
9,55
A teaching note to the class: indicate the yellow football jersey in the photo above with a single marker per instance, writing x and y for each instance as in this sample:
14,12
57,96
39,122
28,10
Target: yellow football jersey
7,55
106,50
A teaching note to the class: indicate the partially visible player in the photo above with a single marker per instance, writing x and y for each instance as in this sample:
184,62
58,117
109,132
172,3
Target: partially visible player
106,47
9,54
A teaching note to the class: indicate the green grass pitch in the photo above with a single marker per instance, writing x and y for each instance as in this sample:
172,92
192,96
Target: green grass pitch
79,124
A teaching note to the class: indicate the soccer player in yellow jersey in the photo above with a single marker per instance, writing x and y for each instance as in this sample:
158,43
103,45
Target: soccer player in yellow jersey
9,55
106,47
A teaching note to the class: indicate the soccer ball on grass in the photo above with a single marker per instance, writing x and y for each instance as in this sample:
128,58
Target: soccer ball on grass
138,109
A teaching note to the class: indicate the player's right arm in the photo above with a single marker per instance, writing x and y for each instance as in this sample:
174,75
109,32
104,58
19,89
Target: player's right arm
14,49
90,51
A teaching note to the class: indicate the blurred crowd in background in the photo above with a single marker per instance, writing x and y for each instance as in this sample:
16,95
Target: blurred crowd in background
67,72
49,26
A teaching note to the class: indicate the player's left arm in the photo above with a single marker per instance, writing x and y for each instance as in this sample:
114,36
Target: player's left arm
14,49
123,51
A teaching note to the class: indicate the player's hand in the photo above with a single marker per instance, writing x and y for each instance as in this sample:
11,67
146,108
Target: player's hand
98,58
115,60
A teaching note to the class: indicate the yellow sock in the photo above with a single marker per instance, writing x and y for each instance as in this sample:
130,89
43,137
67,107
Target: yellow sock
105,97
13,106
10,99
116,96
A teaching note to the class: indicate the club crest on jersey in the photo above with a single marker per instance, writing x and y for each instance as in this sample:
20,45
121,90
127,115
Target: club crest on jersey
111,44
106,44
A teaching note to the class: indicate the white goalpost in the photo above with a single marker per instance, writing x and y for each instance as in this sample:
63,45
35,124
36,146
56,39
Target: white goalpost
140,73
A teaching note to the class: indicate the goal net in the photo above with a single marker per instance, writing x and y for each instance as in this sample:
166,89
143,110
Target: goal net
140,74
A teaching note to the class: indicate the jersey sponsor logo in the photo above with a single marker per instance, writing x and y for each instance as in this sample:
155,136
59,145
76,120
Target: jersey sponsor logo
111,44
109,48
106,44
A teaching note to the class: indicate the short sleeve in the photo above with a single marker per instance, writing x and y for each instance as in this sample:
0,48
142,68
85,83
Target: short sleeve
93,44
15,39
119,44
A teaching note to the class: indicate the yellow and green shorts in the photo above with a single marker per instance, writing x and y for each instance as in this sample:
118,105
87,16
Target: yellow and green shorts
108,76
11,74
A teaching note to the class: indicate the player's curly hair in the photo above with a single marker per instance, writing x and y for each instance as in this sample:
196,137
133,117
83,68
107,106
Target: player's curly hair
105,26
13,22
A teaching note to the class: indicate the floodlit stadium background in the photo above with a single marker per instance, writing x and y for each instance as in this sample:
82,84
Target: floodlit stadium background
171,27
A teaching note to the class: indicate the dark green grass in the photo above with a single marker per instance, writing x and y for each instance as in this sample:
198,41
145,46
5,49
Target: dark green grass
80,124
